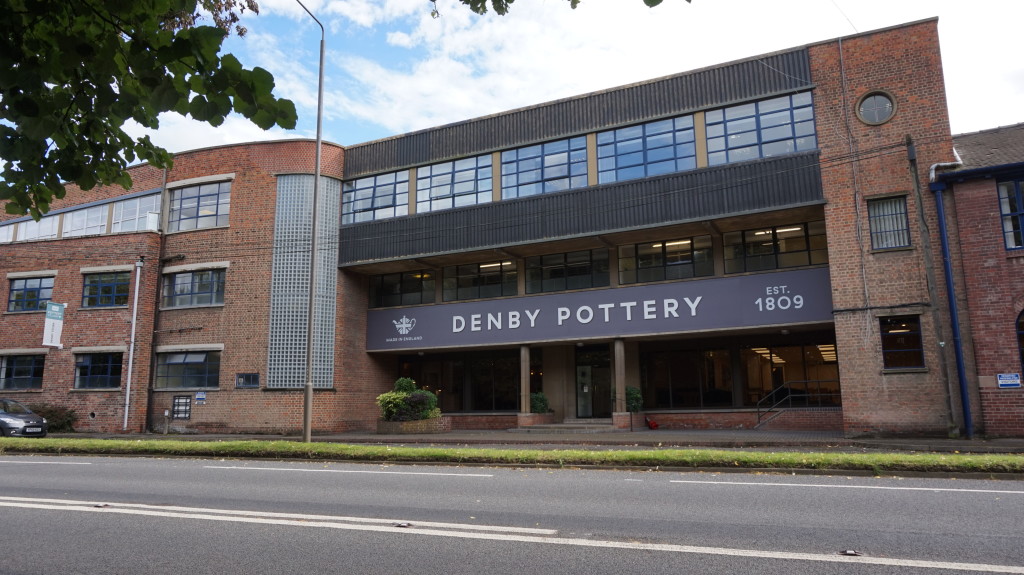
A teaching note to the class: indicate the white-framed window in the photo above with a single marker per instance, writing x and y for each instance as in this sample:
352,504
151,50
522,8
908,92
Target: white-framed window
86,222
134,214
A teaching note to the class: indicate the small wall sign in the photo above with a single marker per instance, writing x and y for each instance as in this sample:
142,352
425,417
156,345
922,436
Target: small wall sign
1008,380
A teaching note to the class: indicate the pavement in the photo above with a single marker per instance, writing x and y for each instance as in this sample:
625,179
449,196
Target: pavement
638,439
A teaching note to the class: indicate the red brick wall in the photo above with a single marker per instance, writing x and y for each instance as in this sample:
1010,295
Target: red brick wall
97,410
995,293
861,161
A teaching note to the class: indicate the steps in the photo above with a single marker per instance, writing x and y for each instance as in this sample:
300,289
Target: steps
570,426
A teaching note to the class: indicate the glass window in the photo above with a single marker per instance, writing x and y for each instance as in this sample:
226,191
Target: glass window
544,168
89,221
133,215
6,234
375,197
776,247
187,369
781,125
567,271
197,207
887,219
902,346
21,371
106,289
45,228
666,260
876,108
406,288
478,281
30,294
196,288
98,370
647,150
1011,208
464,182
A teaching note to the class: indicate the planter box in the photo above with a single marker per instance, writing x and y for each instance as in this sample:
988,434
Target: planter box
441,424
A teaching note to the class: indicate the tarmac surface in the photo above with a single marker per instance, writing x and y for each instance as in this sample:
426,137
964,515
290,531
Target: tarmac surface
637,439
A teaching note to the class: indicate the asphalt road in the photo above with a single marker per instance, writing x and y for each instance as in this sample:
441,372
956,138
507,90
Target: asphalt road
74,515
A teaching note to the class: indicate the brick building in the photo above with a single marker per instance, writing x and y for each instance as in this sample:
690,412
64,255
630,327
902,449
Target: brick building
748,244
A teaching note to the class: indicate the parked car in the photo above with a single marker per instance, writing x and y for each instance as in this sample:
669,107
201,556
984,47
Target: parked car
16,420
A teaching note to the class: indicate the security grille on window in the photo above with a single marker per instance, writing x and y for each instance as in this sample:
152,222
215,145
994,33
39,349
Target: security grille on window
205,287
98,370
188,369
181,408
902,346
21,371
1011,208
30,294
197,207
106,289
887,218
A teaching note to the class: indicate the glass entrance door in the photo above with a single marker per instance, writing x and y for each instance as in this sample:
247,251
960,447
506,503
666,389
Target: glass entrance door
593,382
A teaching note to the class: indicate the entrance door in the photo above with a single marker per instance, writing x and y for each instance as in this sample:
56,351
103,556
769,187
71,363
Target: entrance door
593,382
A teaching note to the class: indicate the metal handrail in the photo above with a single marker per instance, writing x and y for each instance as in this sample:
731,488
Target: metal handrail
785,393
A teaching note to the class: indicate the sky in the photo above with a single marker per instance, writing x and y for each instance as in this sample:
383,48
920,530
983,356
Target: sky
391,68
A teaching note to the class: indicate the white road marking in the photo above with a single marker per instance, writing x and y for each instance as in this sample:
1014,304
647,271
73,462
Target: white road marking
824,485
46,462
246,468
487,533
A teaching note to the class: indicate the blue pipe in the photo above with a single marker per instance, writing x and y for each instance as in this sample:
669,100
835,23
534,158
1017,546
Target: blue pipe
954,315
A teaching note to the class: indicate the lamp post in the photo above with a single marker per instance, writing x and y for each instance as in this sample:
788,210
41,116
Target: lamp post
307,404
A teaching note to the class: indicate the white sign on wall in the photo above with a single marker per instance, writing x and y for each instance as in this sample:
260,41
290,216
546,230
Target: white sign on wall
1008,380
54,325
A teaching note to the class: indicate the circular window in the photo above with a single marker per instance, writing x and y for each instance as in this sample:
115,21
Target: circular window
876,108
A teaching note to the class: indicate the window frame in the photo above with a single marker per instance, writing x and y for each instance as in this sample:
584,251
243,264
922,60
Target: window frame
641,150
550,273
454,184
1020,339
1011,220
209,371
911,325
40,300
169,295
661,260
750,130
471,281
377,197
183,216
889,223
541,166
103,374
874,119
111,291
384,288
33,381
754,255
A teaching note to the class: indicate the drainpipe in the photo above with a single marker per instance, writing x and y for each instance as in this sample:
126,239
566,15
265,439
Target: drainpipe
131,343
947,268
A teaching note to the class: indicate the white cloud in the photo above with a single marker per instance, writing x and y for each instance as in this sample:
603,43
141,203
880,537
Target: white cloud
177,133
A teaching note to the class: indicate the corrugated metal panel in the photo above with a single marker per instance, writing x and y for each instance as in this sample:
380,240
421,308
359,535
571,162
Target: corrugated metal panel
669,96
769,184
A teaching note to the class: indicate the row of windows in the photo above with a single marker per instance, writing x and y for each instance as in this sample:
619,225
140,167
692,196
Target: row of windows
194,207
781,125
778,247
110,289
103,370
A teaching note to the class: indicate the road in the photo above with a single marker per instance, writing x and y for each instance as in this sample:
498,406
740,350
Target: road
72,515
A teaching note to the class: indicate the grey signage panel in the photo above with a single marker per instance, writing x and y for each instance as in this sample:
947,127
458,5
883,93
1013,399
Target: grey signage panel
778,298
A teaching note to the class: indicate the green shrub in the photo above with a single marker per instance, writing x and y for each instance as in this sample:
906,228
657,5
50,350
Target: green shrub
406,403
539,403
634,399
60,419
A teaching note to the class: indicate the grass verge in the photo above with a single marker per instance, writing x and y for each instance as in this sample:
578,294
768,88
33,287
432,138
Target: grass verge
877,463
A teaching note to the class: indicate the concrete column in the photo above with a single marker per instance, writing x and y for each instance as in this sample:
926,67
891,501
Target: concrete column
524,379
619,377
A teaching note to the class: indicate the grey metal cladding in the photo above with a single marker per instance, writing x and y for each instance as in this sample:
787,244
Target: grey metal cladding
763,185
672,95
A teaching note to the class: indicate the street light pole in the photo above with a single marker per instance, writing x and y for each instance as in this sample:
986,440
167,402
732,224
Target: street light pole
307,404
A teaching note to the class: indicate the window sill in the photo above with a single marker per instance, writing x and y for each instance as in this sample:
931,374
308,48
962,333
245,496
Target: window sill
5,391
103,307
201,306
42,311
890,250
197,230
300,389
1010,253
188,389
92,389
898,370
